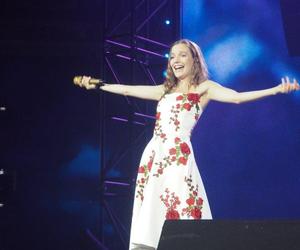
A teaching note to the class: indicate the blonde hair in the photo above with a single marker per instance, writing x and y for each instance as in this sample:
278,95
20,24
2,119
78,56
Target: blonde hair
199,69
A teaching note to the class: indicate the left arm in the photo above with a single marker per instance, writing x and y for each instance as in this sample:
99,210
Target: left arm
219,93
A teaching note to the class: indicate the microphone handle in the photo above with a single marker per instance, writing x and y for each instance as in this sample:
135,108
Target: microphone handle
78,79
96,81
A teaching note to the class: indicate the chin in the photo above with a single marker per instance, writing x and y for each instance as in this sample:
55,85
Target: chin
180,77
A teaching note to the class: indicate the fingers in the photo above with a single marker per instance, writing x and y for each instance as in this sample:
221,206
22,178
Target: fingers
81,81
287,86
84,81
296,84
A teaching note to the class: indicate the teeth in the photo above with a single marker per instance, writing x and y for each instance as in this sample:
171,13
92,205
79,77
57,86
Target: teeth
178,67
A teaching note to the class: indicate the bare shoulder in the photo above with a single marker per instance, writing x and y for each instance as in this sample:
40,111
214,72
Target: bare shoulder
160,87
210,83
203,89
204,86
208,86
159,91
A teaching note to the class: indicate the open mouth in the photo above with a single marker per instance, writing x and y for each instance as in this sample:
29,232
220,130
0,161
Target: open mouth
178,68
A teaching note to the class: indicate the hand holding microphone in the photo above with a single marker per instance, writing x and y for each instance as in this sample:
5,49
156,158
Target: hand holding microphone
87,82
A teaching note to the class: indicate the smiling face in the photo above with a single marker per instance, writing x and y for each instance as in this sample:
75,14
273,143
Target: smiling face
186,64
181,61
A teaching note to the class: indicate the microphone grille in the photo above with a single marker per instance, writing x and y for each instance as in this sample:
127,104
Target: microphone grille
77,79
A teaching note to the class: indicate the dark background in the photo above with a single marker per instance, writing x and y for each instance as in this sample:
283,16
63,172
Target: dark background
48,121
248,155
51,130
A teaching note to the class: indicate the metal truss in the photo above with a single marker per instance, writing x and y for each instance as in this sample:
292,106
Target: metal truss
131,48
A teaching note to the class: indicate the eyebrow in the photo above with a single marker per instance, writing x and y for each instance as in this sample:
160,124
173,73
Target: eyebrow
172,53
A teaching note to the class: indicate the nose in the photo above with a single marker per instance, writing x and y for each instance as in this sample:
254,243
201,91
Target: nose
176,59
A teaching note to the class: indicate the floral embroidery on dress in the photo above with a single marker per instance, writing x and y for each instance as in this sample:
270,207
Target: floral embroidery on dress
161,166
194,203
143,176
194,99
186,102
175,110
158,128
171,201
178,154
164,193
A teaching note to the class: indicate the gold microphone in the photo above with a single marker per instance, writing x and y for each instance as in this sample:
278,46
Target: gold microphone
78,79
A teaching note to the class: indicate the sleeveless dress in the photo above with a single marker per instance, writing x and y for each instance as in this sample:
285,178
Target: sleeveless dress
168,185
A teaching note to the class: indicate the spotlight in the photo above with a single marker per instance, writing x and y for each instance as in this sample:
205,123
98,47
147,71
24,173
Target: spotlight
167,55
167,22
165,73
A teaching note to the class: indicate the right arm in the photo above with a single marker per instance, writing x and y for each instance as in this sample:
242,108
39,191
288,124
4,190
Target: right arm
139,91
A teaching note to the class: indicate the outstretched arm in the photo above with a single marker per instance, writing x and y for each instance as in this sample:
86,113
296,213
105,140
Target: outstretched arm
139,91
219,93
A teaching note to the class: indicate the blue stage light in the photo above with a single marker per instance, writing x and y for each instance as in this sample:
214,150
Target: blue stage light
87,156
167,55
232,55
165,73
167,22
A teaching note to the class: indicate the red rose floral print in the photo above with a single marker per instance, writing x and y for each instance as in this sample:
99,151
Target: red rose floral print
171,201
143,176
185,102
178,154
193,202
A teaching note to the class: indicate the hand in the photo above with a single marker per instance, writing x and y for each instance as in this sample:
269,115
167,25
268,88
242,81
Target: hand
84,81
286,86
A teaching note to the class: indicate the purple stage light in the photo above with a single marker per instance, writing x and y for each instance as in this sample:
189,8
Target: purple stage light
96,240
126,120
144,115
117,183
137,48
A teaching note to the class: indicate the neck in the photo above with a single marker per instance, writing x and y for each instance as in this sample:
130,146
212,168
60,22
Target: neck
184,83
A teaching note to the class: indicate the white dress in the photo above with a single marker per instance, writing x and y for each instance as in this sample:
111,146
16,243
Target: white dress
169,185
